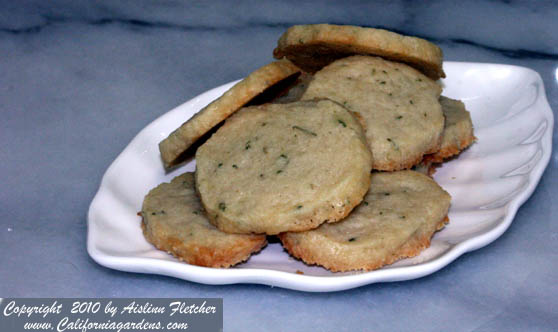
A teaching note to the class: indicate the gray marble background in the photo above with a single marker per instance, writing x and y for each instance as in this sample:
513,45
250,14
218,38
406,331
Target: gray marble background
78,80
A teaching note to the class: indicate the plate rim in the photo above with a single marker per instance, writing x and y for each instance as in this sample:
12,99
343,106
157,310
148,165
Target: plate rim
312,283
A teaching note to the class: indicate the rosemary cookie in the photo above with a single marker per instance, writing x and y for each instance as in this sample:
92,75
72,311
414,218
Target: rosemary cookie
398,105
283,167
312,47
396,220
269,77
458,131
174,221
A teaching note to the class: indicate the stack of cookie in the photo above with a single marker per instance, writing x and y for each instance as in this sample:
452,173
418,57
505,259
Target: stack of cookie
315,148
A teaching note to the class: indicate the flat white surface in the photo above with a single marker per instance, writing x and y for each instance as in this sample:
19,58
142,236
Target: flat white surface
488,183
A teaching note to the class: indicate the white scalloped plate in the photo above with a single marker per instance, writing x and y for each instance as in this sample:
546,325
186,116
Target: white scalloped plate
488,182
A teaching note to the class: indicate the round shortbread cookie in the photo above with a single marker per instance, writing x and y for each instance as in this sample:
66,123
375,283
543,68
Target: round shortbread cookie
312,47
283,167
458,131
174,221
177,143
296,92
398,105
396,220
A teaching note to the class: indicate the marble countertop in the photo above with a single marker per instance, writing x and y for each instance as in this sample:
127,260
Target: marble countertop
79,79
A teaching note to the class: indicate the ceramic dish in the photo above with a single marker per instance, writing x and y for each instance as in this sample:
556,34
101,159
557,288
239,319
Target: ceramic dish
488,182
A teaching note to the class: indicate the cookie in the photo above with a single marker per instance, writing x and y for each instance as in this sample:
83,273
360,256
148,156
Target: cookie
173,148
283,167
312,47
458,131
174,221
398,105
397,218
